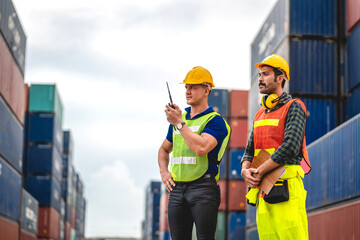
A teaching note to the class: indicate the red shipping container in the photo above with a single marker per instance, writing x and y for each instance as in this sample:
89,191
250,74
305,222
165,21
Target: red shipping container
27,236
223,203
9,230
67,231
11,82
352,14
73,217
164,223
26,97
340,222
48,222
239,133
237,193
239,103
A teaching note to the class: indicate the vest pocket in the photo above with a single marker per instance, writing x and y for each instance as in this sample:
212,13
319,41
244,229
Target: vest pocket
279,193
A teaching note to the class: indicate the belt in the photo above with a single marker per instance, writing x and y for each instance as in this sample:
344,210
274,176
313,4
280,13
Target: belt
199,180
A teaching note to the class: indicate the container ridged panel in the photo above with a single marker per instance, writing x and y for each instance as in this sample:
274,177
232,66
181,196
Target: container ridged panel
353,52
352,105
219,100
236,225
335,174
312,67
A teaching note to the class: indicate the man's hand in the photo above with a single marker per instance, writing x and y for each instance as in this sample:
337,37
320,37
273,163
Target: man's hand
174,116
251,177
167,180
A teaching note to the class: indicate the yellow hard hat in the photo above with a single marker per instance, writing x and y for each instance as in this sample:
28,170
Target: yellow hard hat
198,75
275,61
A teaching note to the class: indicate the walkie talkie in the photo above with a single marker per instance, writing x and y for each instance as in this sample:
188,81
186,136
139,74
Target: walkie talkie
171,102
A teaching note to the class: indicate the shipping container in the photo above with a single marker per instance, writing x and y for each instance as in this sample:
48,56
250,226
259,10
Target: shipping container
73,218
13,32
339,222
62,230
219,100
66,189
44,128
45,189
10,190
353,60
164,236
352,14
235,163
220,233
68,212
237,192
73,234
254,102
335,170
66,165
46,98
80,217
44,159
29,212
8,229
223,166
152,209
352,104
239,103
11,82
293,18
252,233
236,226
223,195
79,185
24,235
11,137
321,118
67,231
49,223
250,216
68,143
239,133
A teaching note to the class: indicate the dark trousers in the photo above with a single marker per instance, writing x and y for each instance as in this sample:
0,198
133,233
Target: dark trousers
194,202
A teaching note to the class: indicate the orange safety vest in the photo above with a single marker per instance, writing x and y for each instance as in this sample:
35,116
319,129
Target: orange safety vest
269,130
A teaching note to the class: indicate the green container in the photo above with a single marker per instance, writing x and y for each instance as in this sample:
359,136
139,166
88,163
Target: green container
73,234
73,196
221,226
45,98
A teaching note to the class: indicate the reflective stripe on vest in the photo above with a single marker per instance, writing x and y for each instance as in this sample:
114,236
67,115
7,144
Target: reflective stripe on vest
269,130
185,165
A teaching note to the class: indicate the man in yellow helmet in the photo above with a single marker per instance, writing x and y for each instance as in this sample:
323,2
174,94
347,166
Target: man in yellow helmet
278,128
197,139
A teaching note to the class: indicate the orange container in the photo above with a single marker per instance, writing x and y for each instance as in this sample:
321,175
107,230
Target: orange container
67,231
340,222
8,229
48,223
239,133
164,223
11,82
27,236
73,218
239,103
237,193
223,203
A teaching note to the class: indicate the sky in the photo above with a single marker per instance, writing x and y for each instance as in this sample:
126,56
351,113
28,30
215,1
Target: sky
110,60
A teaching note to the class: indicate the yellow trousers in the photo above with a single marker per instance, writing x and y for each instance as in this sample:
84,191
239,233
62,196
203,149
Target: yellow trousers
285,220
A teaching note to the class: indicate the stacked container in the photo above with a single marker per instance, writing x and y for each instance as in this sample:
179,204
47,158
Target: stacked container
163,220
306,37
43,156
233,106
12,108
333,199
152,211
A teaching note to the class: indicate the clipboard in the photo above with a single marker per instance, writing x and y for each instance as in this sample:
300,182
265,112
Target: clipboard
268,180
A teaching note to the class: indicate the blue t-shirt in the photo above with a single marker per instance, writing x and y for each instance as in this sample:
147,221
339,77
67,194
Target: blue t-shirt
216,127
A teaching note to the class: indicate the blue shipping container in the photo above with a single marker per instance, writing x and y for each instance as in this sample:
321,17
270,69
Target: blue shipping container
29,212
152,209
66,188
293,18
45,189
165,236
219,100
44,159
11,29
68,143
44,128
236,225
321,118
252,234
250,216
235,167
223,167
66,165
352,104
353,54
10,190
11,137
335,174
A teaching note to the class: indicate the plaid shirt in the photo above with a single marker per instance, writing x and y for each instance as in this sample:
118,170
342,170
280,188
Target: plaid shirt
290,151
